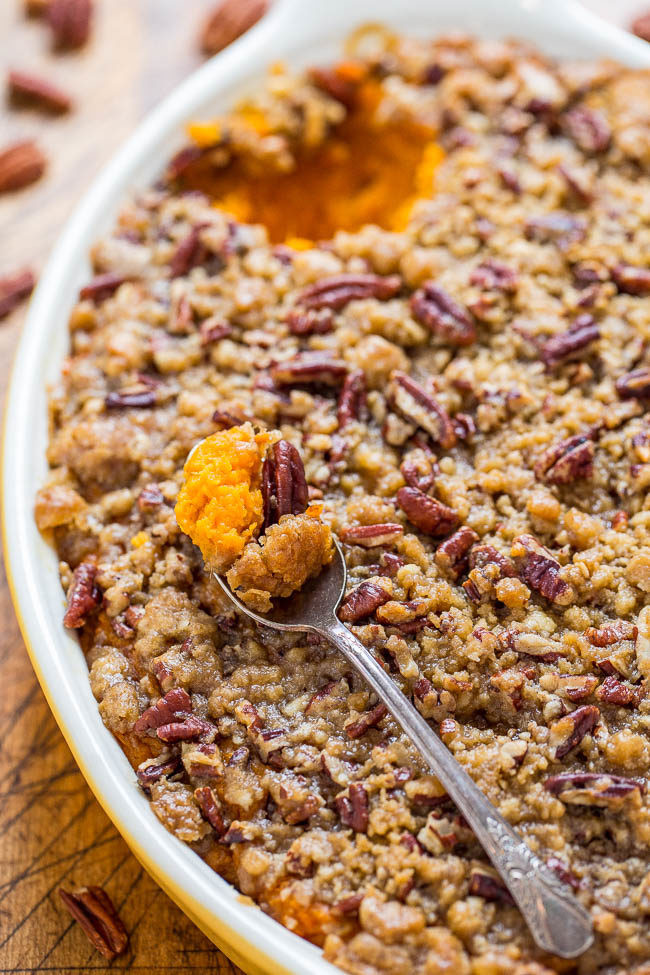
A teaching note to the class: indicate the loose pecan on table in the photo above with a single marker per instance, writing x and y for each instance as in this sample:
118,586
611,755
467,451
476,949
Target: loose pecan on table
635,384
284,487
452,554
309,367
21,164
14,288
176,705
429,515
567,732
443,315
84,595
102,286
353,807
370,536
29,90
358,728
567,461
593,788
310,321
70,22
493,275
210,807
538,569
228,21
588,128
414,403
336,292
362,601
95,913
567,345
352,404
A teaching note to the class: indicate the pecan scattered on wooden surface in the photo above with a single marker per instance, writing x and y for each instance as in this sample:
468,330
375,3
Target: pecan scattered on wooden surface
567,461
84,595
414,403
70,23
14,288
34,92
338,291
284,487
95,913
538,569
228,21
362,602
21,164
431,516
443,315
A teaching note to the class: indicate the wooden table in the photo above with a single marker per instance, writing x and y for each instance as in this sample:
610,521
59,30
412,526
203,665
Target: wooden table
52,830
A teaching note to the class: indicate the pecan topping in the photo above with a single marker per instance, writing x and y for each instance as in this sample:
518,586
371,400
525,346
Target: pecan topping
151,770
369,536
489,887
182,161
414,403
492,275
21,164
613,691
632,280
176,705
568,732
150,498
102,286
429,515
84,595
228,21
484,555
588,128
419,469
351,904
309,367
189,729
538,569
531,644
213,329
362,602
69,21
190,253
358,728
27,89
567,345
93,910
567,461
610,633
577,184
338,291
635,384
310,322
284,488
210,809
452,554
593,788
558,227
353,808
442,315
352,400
14,288
561,870
138,399
336,83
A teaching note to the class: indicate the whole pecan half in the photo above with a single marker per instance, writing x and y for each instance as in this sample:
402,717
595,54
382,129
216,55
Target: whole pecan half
131,400
210,807
567,732
102,286
151,770
610,633
189,729
352,402
338,291
443,315
635,384
588,128
27,89
614,691
566,346
370,536
483,555
95,913
429,515
176,705
14,288
284,487
228,21
69,22
358,728
21,164
493,275
631,279
310,321
593,788
84,595
538,569
558,227
567,461
489,887
189,253
353,807
415,404
309,367
452,554
362,601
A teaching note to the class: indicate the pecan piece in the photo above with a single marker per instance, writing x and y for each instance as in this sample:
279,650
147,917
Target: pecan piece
492,275
150,498
593,788
176,705
84,595
369,536
151,770
338,291
228,21
138,399
353,808
337,83
588,128
213,329
310,322
635,384
358,728
566,346
561,870
429,515
189,729
189,253
442,315
567,461
489,887
69,22
309,367
419,469
538,569
567,732
93,910
484,555
27,89
452,554
632,280
102,286
362,602
558,228
414,403
284,487
21,164
614,691
14,288
610,633
352,400
210,807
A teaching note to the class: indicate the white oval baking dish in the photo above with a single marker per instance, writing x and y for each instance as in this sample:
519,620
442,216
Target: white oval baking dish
300,33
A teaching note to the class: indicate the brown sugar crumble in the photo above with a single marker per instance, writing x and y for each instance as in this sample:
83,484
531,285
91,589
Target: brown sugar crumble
443,332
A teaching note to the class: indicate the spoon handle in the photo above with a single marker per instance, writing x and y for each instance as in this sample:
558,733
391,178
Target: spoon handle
556,919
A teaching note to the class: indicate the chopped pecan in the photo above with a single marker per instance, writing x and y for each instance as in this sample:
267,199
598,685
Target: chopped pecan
576,687
442,315
151,770
138,399
558,228
531,644
21,164
631,279
310,322
210,807
567,461
176,705
189,253
429,515
389,564
338,291
588,128
635,384
182,160
358,728
102,286
228,21
369,536
351,904
577,183
353,807
538,569
567,732
567,345
320,695
414,403
610,633
352,399
150,498
93,910
309,367
419,469
561,870
362,602
493,275
14,288
593,788
84,595
452,554
27,89
214,329
69,22
614,691
284,488
489,887
483,555
340,84
202,760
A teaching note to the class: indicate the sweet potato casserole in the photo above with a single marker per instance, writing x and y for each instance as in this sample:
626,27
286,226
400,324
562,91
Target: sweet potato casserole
419,280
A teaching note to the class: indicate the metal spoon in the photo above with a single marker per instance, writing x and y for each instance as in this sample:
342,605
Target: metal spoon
557,921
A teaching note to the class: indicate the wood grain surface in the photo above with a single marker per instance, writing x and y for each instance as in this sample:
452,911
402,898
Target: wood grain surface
52,831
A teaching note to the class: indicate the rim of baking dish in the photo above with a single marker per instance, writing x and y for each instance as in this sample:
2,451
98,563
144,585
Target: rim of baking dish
301,34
